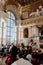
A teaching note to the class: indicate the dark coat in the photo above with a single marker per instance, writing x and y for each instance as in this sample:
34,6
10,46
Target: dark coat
14,53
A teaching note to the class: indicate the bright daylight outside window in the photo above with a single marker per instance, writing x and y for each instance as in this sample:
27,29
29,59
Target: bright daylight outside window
11,28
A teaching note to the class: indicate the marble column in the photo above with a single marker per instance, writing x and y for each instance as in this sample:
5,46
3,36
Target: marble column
3,16
18,31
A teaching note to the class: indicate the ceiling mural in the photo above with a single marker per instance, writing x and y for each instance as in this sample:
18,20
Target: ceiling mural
18,2
26,5
26,2
21,2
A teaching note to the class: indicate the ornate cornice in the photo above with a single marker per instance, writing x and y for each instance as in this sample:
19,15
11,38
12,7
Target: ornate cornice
35,20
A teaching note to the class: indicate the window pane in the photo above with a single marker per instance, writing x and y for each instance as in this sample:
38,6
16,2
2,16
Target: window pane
12,16
12,21
8,24
8,29
8,20
8,14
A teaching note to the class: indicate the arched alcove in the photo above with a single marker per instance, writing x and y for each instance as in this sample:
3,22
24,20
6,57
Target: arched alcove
25,33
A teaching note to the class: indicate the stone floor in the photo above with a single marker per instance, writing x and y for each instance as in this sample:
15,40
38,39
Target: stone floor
2,61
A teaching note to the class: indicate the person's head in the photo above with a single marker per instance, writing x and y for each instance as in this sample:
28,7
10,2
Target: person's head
22,45
12,44
31,41
19,56
35,43
2,45
39,51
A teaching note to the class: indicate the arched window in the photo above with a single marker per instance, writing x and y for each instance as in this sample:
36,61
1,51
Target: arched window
11,28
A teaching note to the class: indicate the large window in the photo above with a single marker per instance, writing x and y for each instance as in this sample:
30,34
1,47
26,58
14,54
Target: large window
11,28
8,29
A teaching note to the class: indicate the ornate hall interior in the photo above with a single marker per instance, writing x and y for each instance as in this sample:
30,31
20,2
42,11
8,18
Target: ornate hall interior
21,25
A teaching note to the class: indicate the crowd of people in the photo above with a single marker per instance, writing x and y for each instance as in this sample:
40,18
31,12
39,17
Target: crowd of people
14,53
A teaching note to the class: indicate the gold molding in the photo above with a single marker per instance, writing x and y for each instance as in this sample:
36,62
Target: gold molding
35,20
33,6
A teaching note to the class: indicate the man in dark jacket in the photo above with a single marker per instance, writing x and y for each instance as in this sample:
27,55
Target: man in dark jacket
14,53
